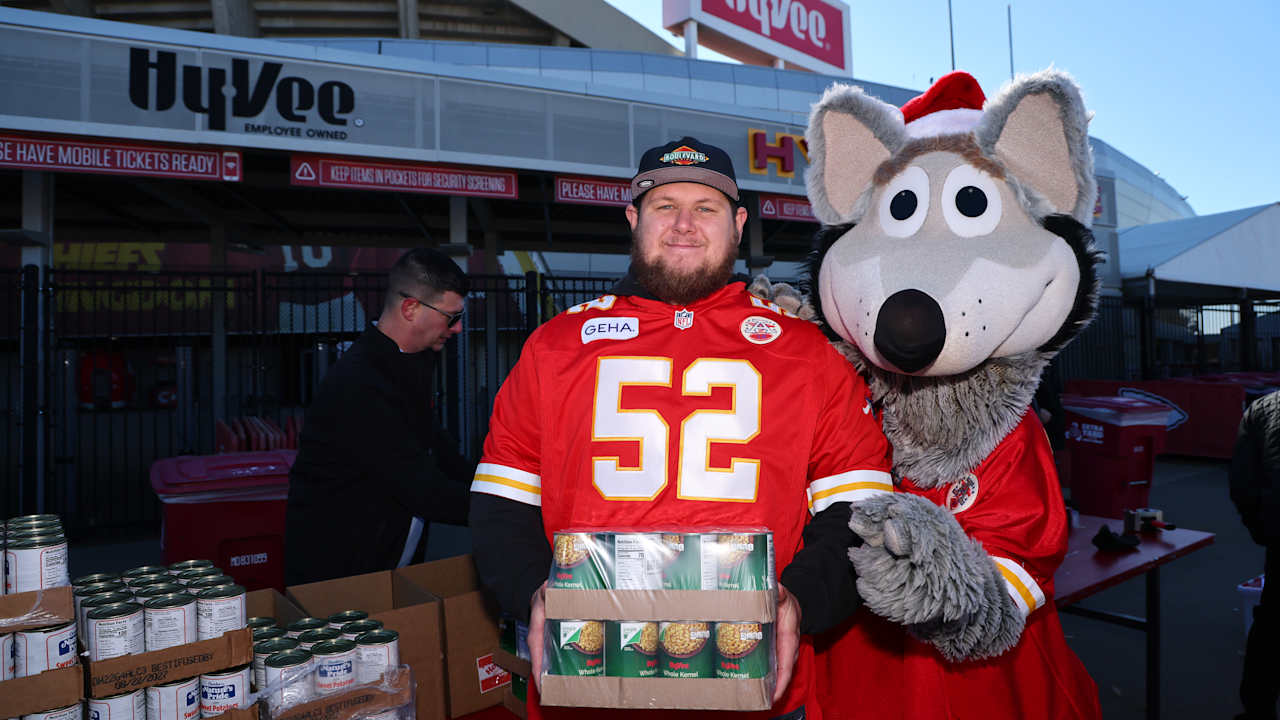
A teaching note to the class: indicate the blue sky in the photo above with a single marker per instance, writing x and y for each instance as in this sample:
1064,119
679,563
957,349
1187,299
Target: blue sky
1188,89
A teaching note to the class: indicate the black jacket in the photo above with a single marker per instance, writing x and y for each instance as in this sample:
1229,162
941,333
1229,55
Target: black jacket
513,558
1255,470
370,458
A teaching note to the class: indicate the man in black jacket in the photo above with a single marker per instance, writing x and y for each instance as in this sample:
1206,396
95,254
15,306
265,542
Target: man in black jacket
373,466
1255,490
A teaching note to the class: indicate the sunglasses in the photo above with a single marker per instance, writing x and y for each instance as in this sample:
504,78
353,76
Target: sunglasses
454,318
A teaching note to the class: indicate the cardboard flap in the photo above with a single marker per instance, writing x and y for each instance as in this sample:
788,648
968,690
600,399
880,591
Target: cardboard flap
130,672
513,664
34,609
446,578
656,693
657,605
49,690
370,592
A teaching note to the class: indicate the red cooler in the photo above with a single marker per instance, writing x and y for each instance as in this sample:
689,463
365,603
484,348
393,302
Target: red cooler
1113,443
229,509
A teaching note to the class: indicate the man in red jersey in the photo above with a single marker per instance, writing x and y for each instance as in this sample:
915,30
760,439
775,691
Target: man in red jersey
682,401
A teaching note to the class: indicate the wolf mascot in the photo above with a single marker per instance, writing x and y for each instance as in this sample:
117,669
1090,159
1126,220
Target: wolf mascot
955,261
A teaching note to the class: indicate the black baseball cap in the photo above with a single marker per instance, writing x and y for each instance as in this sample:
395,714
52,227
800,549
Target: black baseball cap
685,160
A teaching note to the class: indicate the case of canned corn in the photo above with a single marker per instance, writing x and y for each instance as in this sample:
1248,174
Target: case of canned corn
661,619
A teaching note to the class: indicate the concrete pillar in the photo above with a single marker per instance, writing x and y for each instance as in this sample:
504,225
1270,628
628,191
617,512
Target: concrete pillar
409,25
691,39
37,220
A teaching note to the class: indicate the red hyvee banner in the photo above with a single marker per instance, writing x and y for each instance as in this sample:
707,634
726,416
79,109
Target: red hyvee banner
359,174
109,157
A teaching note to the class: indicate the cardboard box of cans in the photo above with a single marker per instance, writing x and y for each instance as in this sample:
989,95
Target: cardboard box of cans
53,688
469,617
130,672
400,605
661,619
386,700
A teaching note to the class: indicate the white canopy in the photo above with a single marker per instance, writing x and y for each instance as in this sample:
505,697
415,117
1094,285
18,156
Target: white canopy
1240,248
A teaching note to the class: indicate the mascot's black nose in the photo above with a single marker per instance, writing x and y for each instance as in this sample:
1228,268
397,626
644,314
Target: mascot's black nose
910,330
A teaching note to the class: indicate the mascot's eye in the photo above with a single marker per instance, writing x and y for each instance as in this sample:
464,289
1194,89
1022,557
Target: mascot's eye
970,202
904,203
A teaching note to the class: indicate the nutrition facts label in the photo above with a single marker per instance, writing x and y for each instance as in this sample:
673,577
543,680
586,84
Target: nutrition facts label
118,636
637,562
215,616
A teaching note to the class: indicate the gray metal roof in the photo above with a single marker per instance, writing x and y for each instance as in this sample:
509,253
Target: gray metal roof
1240,248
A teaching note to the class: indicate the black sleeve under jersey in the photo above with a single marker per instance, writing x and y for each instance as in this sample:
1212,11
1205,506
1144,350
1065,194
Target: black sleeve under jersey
821,576
510,550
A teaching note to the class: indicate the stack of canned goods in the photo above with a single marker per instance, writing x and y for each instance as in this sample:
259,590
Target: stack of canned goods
313,656
583,648
154,607
35,553
663,561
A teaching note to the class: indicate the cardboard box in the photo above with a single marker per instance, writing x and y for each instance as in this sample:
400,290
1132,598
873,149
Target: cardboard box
659,692
516,696
268,602
35,609
395,691
401,606
130,672
49,690
517,666
470,620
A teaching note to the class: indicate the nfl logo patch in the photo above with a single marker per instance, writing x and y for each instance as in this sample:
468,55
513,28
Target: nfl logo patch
684,319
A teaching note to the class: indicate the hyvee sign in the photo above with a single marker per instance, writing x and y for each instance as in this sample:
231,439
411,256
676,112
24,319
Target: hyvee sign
156,82
808,33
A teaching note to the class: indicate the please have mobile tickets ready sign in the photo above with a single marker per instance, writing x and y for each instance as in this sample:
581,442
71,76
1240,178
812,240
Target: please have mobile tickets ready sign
362,174
109,157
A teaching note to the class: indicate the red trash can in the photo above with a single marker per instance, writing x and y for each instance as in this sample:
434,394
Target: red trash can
229,509
1113,443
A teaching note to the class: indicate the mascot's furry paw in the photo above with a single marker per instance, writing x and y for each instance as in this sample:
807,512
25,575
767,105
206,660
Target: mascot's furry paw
917,567
785,296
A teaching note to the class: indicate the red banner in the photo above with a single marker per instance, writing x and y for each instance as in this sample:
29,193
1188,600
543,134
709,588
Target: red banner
1203,415
590,191
117,158
785,207
341,172
810,27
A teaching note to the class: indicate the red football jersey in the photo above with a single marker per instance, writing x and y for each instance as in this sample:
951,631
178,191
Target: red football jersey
629,413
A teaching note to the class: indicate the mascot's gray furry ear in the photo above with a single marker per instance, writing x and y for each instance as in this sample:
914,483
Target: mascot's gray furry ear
1035,129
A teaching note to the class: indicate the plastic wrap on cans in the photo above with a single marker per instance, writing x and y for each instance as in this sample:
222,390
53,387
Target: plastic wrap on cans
686,650
169,620
265,649
223,691
256,623
287,679
308,639
35,563
578,562
743,650
301,625
178,700
115,630
96,601
631,649
576,647
745,561
338,619
219,610
70,712
125,706
353,630
690,561
376,652
44,649
335,662
8,657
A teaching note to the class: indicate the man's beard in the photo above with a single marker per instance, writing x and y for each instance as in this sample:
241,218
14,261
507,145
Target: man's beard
679,288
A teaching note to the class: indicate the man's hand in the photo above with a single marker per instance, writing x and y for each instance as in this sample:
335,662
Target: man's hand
786,646
537,621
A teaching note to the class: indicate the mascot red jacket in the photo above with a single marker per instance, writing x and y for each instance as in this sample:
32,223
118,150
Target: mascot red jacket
956,260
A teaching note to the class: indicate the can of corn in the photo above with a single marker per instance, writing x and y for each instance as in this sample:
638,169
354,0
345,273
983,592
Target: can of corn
631,649
745,561
577,647
689,562
686,650
636,560
579,562
743,650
